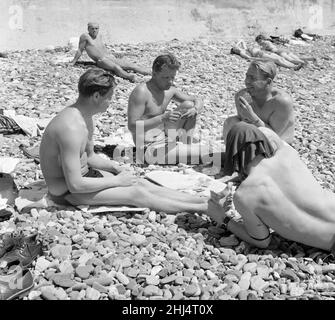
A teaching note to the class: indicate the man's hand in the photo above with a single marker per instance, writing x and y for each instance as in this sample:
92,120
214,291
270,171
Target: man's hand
126,179
190,113
171,116
246,112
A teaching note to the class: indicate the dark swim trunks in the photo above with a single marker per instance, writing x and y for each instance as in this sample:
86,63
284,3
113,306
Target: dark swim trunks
92,173
244,143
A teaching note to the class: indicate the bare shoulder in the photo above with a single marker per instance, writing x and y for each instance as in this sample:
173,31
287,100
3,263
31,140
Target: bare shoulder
282,97
84,37
141,90
139,95
66,124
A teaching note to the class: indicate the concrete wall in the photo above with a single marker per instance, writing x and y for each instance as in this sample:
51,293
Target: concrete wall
37,23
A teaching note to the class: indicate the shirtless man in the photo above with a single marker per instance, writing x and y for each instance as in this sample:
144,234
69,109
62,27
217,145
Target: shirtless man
95,48
280,193
289,56
153,126
75,175
267,106
256,54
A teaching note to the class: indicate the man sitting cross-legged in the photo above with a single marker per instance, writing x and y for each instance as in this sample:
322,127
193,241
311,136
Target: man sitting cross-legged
277,191
93,44
76,175
262,104
154,127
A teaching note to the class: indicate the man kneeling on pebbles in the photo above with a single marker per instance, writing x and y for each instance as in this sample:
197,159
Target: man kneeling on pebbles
75,175
277,191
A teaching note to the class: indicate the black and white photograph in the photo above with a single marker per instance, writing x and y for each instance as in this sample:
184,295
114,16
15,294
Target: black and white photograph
167,156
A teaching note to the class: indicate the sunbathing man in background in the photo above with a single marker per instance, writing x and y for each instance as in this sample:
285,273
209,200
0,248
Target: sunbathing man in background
153,126
263,105
256,54
96,49
289,56
75,175
277,191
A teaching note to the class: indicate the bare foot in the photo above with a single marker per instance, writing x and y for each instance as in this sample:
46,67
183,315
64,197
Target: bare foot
298,67
132,78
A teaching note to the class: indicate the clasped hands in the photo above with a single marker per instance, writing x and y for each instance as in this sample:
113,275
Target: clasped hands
246,113
175,115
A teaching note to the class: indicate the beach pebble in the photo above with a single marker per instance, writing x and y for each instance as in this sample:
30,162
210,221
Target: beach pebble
92,294
152,290
138,239
257,283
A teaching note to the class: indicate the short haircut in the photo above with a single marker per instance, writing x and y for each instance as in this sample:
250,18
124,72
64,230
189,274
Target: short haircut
91,24
267,68
235,50
260,37
168,60
95,80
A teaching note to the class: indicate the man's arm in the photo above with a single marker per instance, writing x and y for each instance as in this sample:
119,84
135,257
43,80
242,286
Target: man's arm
97,162
252,229
136,108
180,96
282,118
81,48
70,160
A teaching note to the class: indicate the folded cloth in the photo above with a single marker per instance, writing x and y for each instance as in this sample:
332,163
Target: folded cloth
30,126
244,142
8,125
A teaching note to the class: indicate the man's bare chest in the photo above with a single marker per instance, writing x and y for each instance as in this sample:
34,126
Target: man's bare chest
95,43
264,111
157,105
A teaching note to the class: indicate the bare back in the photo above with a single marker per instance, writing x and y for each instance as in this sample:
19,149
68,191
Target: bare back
50,150
283,193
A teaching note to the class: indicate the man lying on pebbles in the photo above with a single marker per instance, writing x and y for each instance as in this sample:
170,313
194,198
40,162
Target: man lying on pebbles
262,104
277,191
257,54
286,54
95,48
75,175
157,129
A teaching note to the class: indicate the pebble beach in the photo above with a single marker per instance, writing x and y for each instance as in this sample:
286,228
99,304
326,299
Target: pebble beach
154,255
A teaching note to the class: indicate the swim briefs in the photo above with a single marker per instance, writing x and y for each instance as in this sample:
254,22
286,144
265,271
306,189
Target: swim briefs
61,199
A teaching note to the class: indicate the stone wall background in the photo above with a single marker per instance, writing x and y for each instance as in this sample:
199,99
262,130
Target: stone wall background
26,24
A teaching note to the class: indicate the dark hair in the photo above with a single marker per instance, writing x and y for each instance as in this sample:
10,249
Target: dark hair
260,37
95,80
168,60
267,68
234,50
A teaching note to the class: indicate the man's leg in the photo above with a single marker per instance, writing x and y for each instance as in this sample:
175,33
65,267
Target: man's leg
228,124
127,65
280,61
138,196
170,193
109,65
291,57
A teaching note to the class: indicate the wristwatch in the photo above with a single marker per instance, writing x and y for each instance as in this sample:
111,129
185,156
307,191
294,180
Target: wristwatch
225,222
